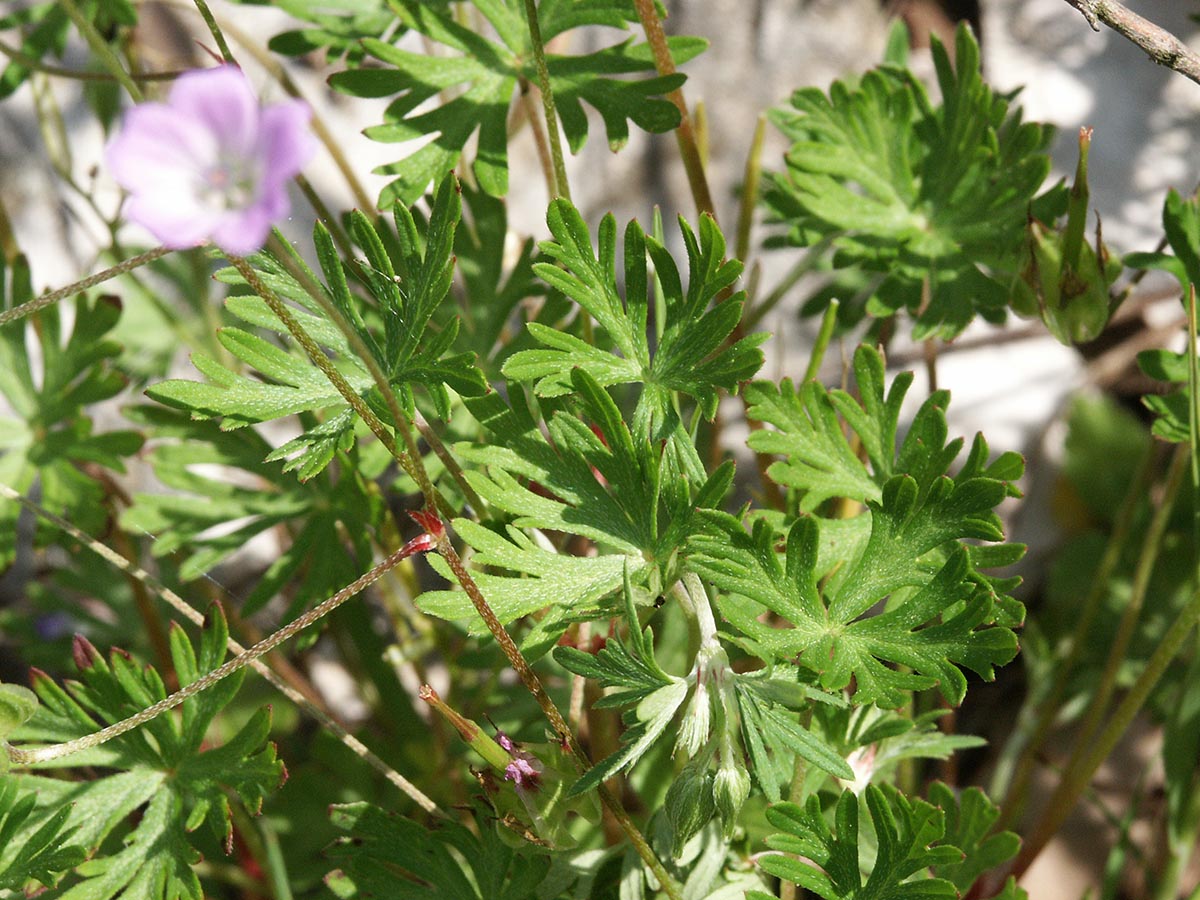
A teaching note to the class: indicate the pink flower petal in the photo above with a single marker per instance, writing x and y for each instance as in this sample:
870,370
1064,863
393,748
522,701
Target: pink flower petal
242,232
210,164
221,101
158,145
287,144
178,225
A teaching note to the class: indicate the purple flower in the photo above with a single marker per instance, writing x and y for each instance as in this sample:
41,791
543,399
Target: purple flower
525,772
210,163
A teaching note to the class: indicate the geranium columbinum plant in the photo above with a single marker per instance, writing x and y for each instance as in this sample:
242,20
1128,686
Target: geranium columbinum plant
698,678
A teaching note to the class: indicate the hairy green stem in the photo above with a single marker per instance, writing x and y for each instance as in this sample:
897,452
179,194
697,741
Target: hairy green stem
1151,547
100,47
1080,771
1014,795
22,757
562,188
128,265
299,269
319,359
561,730
194,616
410,458
685,134
211,21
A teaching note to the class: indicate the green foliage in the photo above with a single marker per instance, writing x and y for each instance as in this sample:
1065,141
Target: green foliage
940,625
405,286
912,839
332,516
916,192
335,28
637,678
42,855
969,827
1181,222
907,548
46,27
691,355
592,478
384,855
51,437
773,738
1172,412
487,73
162,784
496,292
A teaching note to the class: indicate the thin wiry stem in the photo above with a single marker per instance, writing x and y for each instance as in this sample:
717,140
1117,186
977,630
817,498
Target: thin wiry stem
561,186
211,21
22,757
128,265
100,47
193,615
313,289
36,65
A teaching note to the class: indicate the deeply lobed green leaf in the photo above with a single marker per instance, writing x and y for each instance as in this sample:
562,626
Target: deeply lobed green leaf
922,194
483,75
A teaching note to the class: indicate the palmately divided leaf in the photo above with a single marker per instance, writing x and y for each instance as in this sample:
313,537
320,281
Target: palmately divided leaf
51,438
590,477
483,74
933,628
827,860
385,855
164,784
405,277
690,355
916,192
941,612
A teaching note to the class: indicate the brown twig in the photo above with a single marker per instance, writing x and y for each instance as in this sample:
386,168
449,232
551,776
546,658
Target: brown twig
1160,45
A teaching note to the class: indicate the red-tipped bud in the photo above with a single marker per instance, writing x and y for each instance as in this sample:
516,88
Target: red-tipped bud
430,521
84,653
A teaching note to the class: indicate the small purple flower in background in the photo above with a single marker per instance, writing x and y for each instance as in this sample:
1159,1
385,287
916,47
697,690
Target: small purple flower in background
210,163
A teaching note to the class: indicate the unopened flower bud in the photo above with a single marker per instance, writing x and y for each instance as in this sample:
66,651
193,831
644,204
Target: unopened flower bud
689,805
731,787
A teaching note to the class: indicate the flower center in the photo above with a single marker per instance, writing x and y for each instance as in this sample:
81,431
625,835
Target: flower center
230,184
